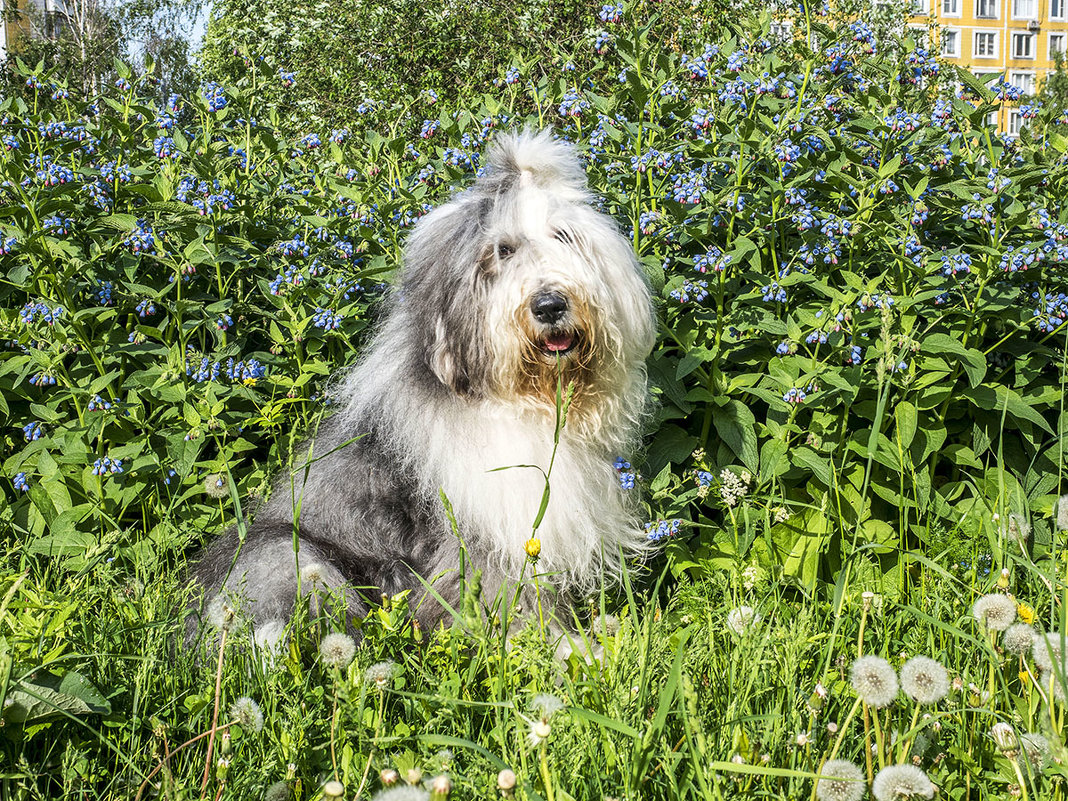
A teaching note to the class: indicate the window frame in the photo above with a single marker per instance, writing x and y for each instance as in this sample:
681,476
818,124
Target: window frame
1029,16
996,9
1019,36
953,33
995,44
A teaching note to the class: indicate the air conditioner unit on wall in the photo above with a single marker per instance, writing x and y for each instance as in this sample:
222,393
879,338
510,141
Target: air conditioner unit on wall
1034,25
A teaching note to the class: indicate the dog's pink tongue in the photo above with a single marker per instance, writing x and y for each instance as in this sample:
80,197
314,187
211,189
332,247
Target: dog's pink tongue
558,342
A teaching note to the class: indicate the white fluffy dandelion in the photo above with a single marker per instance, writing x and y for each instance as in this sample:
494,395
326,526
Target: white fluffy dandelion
1037,749
1048,650
1004,737
1018,638
546,705
312,576
1060,513
874,681
840,780
899,782
1017,528
216,485
247,713
279,791
924,680
539,732
741,619
995,611
337,650
380,674
223,613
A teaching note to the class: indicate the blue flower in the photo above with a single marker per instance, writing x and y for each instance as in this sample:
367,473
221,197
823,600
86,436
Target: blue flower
289,79
215,95
32,431
164,148
327,319
21,483
146,308
98,404
662,529
611,13
107,466
141,239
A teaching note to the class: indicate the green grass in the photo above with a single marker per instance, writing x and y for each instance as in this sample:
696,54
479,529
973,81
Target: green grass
675,706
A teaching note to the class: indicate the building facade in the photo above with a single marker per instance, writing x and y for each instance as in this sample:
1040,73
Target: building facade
29,18
1014,38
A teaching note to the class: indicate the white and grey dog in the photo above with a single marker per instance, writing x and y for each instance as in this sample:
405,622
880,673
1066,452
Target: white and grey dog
511,281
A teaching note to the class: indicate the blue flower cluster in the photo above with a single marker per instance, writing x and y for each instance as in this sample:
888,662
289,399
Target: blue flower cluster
954,263
98,404
215,96
697,291
573,104
611,13
243,372
107,466
626,476
42,312
327,319
141,239
20,482
713,260
32,431
655,532
1051,312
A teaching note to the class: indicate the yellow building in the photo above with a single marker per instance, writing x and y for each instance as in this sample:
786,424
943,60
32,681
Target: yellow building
1014,38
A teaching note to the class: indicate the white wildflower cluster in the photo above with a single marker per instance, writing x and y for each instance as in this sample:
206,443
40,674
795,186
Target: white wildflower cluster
780,514
733,487
895,782
741,619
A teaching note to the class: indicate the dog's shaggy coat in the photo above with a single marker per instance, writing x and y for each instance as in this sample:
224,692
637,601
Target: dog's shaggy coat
510,281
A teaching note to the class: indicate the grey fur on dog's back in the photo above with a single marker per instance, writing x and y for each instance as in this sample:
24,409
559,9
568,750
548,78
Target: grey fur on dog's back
459,381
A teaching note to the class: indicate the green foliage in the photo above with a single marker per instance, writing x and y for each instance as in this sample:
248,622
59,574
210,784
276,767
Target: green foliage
347,53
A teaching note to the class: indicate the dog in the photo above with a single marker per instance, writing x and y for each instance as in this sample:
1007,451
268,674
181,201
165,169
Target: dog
514,293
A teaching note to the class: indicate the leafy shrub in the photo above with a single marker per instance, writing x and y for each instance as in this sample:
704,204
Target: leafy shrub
862,285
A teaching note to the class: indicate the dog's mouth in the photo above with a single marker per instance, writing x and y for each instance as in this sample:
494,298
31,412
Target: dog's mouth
559,343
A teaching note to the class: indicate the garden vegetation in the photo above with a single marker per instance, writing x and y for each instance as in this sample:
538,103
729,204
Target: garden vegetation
854,472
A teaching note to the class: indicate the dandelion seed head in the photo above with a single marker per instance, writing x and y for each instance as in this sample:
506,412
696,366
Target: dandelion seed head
741,619
1018,638
924,680
380,674
312,576
337,650
1061,513
1004,736
840,780
995,611
247,713
898,782
1017,528
539,732
216,485
223,613
1048,651
506,779
1037,749
546,705
874,680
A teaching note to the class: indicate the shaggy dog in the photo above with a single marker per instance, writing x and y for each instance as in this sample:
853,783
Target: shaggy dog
513,286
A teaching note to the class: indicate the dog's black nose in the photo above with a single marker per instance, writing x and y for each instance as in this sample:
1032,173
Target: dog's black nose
548,307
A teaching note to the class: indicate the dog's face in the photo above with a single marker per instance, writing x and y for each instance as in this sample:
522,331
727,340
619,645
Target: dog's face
520,281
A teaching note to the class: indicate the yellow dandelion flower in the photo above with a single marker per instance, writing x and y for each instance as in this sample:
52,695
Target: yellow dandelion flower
1025,678
1025,613
533,548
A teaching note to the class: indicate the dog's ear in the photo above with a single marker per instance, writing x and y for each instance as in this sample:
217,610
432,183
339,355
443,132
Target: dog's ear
446,360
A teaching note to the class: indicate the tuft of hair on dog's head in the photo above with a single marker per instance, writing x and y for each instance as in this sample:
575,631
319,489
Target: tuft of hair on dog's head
519,282
536,159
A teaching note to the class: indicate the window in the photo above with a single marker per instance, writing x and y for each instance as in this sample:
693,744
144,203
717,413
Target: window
986,45
951,8
1056,9
1012,122
918,7
1024,9
1023,45
780,30
986,9
1056,44
951,43
1025,81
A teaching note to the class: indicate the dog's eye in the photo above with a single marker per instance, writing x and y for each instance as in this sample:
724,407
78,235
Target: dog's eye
504,251
563,236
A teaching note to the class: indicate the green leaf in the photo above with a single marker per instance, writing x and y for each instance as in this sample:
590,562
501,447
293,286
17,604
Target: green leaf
971,361
736,426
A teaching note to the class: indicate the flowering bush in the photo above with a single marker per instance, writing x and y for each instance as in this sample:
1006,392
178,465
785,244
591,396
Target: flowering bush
862,287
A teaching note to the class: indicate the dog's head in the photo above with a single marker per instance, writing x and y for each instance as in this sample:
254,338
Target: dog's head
519,279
